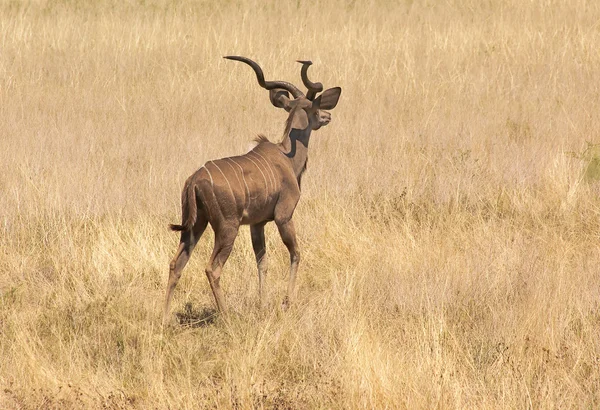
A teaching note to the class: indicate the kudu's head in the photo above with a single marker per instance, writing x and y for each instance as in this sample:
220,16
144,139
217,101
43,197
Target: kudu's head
306,112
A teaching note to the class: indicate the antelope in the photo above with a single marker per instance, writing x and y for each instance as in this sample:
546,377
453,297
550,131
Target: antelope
260,186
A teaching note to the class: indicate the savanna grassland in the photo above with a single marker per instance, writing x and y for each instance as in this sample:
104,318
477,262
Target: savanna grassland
449,220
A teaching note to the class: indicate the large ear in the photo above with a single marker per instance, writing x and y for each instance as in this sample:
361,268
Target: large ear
329,99
280,98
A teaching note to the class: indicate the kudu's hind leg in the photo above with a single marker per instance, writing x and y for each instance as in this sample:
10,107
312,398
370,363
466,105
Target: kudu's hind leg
224,239
257,233
288,235
188,241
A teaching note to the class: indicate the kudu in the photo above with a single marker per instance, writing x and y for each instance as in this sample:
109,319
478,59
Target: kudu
260,186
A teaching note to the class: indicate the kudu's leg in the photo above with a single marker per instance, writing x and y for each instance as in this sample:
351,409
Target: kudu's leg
224,239
257,232
188,241
288,235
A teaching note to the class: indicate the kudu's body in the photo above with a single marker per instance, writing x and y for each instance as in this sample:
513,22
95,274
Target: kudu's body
252,189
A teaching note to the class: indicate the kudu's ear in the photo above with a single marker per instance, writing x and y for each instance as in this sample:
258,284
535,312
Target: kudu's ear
280,98
329,99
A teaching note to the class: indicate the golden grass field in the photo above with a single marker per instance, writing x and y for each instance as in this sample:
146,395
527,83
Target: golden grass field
449,221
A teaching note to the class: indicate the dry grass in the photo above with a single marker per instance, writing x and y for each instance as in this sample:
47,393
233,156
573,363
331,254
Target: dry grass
449,222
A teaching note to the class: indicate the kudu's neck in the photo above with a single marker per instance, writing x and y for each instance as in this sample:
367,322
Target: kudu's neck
295,147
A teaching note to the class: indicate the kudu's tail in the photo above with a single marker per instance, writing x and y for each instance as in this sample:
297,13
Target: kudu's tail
189,208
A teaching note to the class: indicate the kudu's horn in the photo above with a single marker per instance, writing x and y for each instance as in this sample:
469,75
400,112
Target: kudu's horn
313,88
268,85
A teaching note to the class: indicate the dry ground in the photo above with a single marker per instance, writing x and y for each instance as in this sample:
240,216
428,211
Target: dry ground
449,222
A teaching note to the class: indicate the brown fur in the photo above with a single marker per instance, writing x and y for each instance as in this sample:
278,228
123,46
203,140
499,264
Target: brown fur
288,122
252,189
260,138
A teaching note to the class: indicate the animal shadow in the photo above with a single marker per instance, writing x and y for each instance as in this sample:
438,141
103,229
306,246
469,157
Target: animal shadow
190,317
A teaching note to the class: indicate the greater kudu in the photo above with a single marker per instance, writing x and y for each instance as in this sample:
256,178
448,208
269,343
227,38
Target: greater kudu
260,186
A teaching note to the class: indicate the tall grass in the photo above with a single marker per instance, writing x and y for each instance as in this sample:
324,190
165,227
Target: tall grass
449,218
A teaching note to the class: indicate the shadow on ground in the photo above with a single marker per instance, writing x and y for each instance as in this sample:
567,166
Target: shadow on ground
190,317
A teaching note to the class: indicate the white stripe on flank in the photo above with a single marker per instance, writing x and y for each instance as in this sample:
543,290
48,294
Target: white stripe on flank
243,177
268,165
224,176
211,180
263,174
234,172
239,181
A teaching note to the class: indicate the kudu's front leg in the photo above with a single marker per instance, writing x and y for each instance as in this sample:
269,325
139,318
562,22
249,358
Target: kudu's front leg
257,232
288,235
